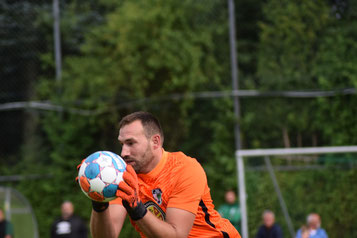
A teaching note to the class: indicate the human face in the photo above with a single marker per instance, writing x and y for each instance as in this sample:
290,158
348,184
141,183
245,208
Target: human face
136,147
230,197
67,210
313,221
268,219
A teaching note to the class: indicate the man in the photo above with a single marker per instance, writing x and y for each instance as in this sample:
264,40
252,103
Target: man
171,186
269,229
230,209
6,229
68,225
314,230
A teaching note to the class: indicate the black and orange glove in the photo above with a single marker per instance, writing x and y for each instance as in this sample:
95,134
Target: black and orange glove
128,191
78,167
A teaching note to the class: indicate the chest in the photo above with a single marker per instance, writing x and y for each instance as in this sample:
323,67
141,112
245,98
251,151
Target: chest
156,192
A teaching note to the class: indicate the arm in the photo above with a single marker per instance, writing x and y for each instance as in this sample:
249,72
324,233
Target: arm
107,224
178,224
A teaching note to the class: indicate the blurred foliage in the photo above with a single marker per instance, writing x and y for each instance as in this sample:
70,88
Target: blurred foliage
327,192
124,56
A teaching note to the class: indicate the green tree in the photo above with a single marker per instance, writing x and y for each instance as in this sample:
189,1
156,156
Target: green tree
290,35
336,68
142,50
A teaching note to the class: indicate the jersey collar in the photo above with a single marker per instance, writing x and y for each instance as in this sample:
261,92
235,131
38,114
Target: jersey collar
158,168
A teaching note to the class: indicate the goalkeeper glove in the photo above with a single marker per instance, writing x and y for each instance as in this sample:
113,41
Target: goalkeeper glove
128,191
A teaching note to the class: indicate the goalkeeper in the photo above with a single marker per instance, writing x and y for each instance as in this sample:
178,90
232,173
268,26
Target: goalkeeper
165,194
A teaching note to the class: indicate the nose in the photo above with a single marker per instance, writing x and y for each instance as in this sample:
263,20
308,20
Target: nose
125,151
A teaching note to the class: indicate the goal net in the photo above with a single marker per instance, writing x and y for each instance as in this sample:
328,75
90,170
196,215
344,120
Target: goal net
294,182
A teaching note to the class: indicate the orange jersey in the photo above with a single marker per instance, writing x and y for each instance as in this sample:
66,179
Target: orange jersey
179,181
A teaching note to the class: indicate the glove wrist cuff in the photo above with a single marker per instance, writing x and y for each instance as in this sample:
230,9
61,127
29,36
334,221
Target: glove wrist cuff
100,206
137,212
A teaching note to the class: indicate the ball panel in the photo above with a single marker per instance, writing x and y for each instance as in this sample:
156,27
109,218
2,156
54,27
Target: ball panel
83,182
92,157
82,169
121,165
92,171
119,178
110,190
96,196
115,163
96,185
108,174
104,160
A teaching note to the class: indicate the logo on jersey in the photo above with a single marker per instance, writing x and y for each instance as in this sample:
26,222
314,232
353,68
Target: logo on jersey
157,194
155,209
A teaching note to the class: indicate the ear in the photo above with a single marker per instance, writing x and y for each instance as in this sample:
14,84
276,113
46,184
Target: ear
156,141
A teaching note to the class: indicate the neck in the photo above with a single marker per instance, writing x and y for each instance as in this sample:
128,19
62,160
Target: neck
157,154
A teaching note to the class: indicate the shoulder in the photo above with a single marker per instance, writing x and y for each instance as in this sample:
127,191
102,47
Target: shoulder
322,231
186,167
181,160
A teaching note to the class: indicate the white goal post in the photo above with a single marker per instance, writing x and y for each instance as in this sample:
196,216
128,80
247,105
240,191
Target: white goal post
240,154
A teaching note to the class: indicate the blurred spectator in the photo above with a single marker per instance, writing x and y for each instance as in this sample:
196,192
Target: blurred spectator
6,229
313,227
230,210
269,229
68,225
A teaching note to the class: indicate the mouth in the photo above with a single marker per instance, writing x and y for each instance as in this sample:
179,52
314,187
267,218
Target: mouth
129,161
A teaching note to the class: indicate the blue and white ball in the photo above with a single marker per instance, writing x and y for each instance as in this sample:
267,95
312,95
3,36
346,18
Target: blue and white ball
99,175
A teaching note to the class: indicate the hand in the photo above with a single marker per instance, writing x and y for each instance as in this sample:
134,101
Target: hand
128,191
78,167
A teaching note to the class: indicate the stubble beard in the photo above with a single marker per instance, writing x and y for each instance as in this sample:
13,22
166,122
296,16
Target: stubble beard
145,160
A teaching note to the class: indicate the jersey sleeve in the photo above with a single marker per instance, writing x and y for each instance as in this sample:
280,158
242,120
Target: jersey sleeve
189,187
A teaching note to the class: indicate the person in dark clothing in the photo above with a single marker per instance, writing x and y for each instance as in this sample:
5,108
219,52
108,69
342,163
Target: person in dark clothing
6,229
269,229
68,225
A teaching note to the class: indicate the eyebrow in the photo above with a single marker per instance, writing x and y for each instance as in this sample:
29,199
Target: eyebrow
127,140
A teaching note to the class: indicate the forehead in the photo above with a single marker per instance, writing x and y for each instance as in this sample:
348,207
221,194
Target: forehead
67,205
131,130
268,215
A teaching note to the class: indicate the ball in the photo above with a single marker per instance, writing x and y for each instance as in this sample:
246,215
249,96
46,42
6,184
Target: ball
99,175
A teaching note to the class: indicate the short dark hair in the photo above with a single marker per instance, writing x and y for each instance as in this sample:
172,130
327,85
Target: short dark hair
150,123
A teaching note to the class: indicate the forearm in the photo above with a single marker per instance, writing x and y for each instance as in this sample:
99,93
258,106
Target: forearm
101,225
108,223
151,226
